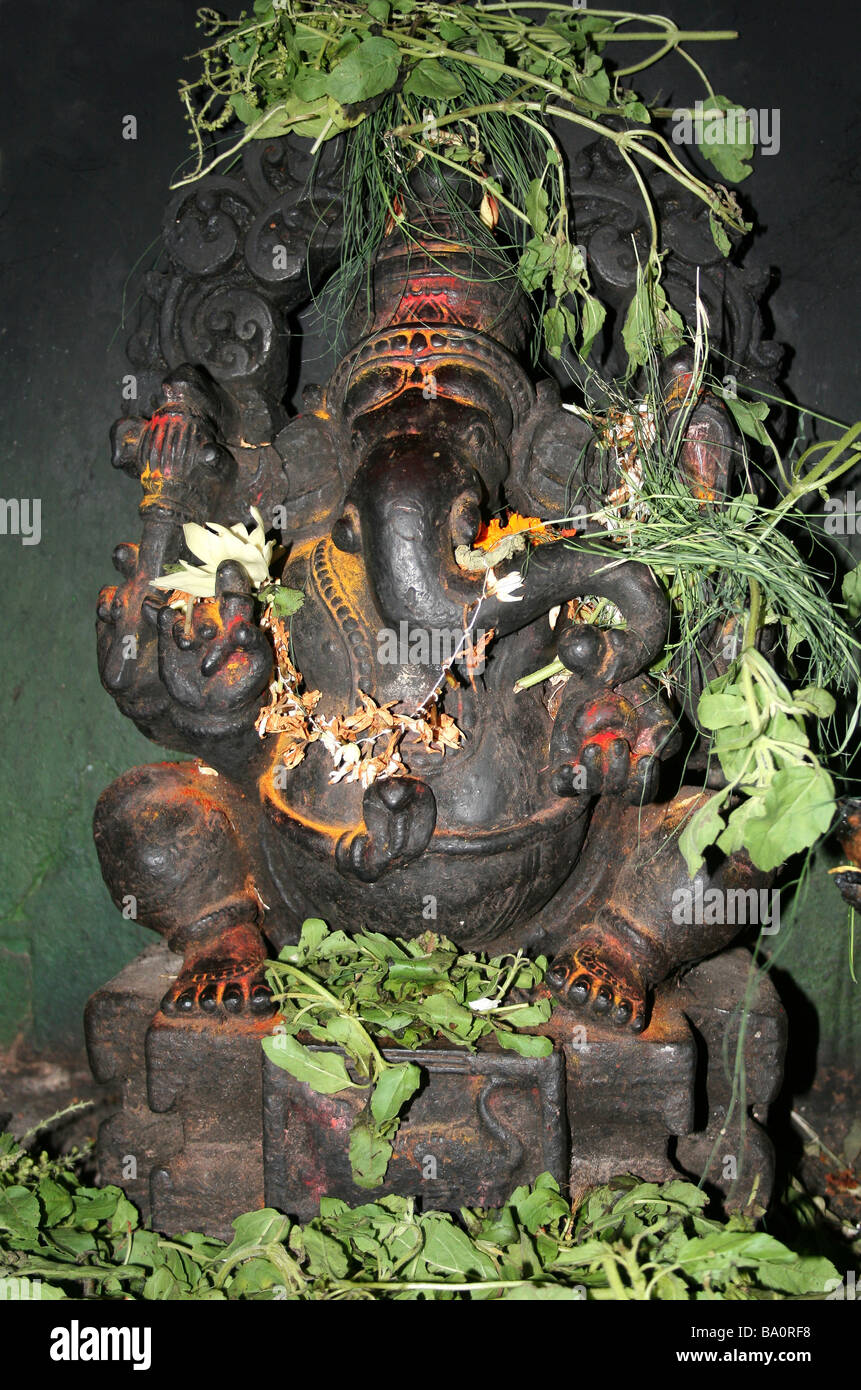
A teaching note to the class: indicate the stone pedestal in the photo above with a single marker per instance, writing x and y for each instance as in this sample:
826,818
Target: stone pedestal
207,1128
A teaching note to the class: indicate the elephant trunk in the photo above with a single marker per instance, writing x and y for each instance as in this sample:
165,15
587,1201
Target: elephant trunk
413,501
558,572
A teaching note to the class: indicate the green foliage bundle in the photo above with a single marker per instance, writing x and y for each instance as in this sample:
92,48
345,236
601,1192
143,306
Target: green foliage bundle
353,992
471,88
739,585
626,1241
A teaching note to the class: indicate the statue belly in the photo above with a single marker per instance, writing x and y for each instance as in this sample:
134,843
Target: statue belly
469,885
502,846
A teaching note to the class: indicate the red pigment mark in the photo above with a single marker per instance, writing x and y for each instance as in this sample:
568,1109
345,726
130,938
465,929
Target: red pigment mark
605,737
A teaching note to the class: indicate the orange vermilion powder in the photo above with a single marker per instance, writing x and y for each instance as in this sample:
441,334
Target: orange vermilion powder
490,535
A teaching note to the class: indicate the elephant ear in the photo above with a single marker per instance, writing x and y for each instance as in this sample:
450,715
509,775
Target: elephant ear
548,458
312,486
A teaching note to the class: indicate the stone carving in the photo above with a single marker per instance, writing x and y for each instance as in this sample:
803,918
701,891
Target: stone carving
549,826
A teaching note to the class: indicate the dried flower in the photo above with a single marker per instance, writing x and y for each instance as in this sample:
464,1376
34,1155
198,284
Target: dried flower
489,211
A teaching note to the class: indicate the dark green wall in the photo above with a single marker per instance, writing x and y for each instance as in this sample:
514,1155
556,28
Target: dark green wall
81,205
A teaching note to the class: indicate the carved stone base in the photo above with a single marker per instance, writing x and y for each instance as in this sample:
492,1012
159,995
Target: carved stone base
207,1128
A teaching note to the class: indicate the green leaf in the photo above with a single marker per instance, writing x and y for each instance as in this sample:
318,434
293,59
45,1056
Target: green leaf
255,1278
338,943
794,1274
798,807
701,830
734,837
310,84
57,1203
72,1242
369,70
247,114
487,47
722,711
393,1089
527,1044
314,931
595,89
569,269
541,1206
428,78
529,1015
369,1152
433,969
94,1205
19,1211
535,263
726,142
635,110
381,947
748,415
444,1012
349,1034
651,322
449,1252
380,9
325,1255
161,1286
816,701
592,316
719,236
851,589
241,54
286,602
554,331
536,207
266,1227
391,1022
324,1072
124,1216
306,118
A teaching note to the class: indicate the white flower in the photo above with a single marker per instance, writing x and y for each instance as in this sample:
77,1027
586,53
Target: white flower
483,1006
503,588
213,543
346,761
331,744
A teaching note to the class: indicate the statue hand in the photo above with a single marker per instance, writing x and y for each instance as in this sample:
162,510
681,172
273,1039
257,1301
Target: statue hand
178,455
217,671
126,636
611,742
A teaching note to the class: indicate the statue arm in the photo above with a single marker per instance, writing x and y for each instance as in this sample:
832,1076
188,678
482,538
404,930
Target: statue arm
196,687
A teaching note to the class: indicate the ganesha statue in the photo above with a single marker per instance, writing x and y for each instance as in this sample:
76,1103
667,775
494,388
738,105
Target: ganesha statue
366,758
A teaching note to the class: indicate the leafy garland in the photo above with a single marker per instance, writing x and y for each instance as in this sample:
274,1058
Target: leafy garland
626,1241
470,88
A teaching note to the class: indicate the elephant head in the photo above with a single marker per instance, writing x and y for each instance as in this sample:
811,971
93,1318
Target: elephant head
419,494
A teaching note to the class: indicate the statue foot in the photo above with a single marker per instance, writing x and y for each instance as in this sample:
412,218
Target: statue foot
211,987
598,976
399,820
